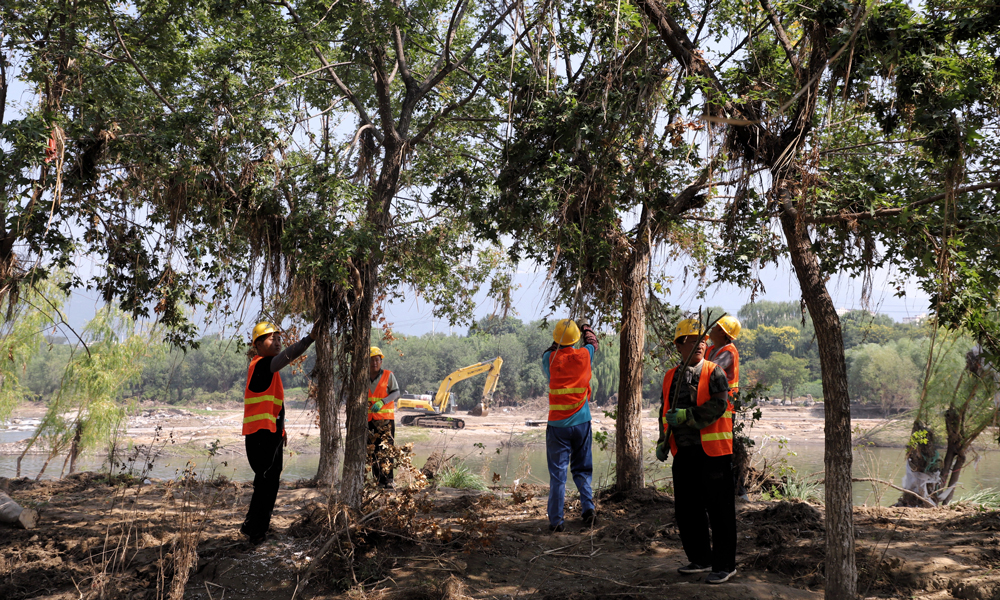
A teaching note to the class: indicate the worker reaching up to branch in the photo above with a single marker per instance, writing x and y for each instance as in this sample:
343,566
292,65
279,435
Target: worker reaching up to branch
382,394
568,435
697,427
264,422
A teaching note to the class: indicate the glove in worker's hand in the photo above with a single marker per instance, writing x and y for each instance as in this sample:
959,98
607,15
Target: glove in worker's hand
677,416
662,451
583,322
376,407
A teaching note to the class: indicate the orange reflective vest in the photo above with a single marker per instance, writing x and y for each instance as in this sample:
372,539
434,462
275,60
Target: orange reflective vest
734,383
388,410
717,438
261,410
569,382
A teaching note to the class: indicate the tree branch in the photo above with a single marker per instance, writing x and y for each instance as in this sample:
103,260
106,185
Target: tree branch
929,503
456,17
779,32
891,212
677,41
362,113
404,69
382,95
835,150
131,61
448,109
434,79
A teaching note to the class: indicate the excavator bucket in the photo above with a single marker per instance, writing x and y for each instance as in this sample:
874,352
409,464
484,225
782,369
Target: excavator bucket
480,410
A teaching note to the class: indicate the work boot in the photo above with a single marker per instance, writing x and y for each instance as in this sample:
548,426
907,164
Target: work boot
589,517
557,528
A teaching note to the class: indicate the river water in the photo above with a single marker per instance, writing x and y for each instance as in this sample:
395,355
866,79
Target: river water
528,464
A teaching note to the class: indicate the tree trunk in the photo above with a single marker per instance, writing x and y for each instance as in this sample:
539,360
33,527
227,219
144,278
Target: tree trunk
953,474
74,449
352,484
628,425
330,438
954,456
367,262
841,570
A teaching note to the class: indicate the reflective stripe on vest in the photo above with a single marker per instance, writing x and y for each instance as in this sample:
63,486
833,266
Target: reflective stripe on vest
569,382
388,410
261,410
717,438
734,383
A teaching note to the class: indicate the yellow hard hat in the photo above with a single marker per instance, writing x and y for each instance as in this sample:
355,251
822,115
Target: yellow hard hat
262,328
688,327
731,326
566,333
375,351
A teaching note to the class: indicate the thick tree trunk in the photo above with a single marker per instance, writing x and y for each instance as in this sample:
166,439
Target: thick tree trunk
628,426
356,443
368,262
841,570
330,438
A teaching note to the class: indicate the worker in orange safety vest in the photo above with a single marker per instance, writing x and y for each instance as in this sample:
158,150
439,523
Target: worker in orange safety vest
382,394
696,427
723,352
568,434
264,422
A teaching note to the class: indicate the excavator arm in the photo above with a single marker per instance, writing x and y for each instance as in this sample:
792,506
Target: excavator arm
490,366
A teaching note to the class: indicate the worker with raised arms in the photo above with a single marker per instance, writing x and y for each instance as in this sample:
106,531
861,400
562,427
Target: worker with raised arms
568,435
264,422
382,394
697,428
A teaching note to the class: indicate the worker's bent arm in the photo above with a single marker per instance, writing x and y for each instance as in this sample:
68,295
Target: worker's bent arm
725,361
290,353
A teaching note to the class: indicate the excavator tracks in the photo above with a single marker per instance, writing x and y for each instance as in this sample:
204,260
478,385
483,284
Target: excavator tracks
438,421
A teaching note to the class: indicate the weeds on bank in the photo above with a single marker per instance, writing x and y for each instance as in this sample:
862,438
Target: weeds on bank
130,535
984,499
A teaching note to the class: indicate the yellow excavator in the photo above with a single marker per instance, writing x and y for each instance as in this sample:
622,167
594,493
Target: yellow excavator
435,412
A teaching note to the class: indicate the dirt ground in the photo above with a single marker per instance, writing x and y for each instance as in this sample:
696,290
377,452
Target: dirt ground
126,539
116,540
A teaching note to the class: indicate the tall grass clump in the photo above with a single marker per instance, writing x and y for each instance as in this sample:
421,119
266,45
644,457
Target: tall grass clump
461,477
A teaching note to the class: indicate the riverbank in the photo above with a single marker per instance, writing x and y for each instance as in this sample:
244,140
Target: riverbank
191,431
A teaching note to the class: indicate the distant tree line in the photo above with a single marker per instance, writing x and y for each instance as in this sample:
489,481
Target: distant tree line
886,361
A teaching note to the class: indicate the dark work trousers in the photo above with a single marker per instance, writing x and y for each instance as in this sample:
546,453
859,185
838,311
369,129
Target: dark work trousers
381,432
265,455
703,497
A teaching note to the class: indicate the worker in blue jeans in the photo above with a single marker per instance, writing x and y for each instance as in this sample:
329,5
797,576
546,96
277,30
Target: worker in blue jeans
568,435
